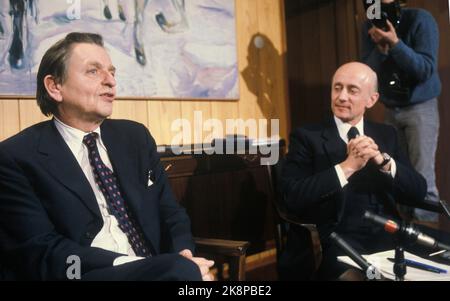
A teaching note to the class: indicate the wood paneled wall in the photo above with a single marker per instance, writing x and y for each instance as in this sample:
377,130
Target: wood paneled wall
323,36
320,38
263,91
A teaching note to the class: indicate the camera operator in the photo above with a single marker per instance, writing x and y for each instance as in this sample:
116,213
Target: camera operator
404,54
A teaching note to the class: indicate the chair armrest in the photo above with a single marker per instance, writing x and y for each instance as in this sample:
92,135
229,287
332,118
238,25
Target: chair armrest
221,246
234,250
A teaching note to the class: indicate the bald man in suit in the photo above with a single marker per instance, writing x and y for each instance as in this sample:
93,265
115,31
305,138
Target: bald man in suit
337,170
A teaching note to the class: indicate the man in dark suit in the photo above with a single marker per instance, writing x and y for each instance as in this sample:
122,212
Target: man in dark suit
88,190
337,170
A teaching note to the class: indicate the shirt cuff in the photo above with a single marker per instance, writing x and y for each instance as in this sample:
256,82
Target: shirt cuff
126,259
341,175
393,170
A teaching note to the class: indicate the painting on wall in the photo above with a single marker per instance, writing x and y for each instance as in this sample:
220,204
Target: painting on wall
162,49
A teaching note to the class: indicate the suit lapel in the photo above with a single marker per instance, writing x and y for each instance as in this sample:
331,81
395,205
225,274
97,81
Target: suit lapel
371,131
59,161
383,197
334,146
124,165
336,150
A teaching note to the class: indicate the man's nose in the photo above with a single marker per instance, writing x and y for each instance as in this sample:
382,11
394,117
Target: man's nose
343,95
109,80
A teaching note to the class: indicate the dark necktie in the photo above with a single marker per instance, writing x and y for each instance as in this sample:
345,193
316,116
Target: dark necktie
107,183
352,133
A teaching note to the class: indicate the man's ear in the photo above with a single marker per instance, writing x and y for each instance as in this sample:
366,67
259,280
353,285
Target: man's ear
372,100
53,88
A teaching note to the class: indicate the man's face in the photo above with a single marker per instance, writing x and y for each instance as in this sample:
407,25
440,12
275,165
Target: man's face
90,87
351,93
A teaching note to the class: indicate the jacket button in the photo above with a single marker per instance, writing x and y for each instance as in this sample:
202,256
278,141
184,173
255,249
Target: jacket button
89,235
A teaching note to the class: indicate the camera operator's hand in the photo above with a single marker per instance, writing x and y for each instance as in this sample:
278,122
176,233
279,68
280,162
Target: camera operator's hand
375,35
384,38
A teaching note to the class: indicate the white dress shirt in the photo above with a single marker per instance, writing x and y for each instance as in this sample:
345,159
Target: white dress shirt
343,129
110,237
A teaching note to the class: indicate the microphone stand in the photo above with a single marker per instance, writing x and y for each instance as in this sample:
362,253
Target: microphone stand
400,263
405,234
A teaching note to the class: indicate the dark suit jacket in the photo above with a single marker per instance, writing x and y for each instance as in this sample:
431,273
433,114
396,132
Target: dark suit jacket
48,210
312,189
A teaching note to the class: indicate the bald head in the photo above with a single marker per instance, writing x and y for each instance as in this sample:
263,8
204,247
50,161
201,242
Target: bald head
362,71
354,90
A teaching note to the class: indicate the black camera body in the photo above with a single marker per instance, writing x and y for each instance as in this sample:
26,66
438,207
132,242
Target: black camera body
381,23
395,84
391,12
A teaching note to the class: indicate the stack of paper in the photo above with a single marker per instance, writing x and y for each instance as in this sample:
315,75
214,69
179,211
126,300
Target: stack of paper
380,261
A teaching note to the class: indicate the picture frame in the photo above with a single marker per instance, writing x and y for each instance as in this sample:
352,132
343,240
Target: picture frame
162,49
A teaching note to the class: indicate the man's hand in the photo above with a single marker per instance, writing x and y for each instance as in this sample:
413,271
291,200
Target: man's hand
385,40
368,149
378,159
203,264
365,148
186,253
359,151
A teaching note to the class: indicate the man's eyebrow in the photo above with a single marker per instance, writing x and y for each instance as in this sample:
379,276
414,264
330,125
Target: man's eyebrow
354,86
95,64
349,86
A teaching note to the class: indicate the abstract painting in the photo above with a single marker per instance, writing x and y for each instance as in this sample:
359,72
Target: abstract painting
161,48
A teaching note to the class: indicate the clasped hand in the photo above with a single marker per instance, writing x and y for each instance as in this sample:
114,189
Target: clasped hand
360,151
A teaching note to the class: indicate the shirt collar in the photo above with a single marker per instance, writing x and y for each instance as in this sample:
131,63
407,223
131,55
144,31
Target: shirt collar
344,127
72,136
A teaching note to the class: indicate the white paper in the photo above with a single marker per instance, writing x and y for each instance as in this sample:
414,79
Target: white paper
380,261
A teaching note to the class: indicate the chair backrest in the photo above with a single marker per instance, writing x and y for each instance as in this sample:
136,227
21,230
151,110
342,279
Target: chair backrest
283,219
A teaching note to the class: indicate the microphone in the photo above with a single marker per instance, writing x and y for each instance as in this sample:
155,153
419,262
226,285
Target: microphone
370,270
406,231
